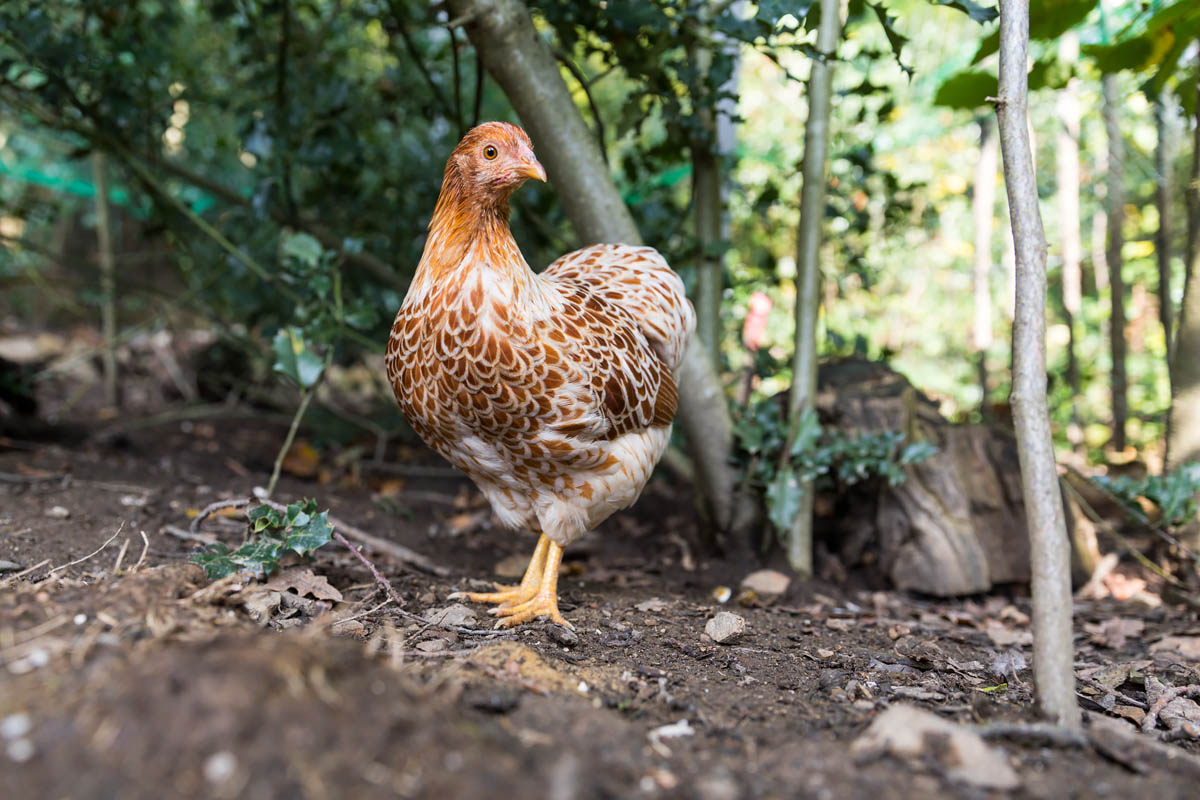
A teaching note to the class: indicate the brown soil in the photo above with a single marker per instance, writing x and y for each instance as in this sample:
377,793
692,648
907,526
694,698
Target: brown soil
140,681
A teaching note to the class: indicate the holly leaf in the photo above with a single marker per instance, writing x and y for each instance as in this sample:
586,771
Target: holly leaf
314,533
980,14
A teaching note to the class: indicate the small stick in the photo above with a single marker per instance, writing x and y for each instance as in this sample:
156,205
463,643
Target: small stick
213,508
24,572
1039,731
1151,720
1119,695
89,555
120,556
180,533
145,549
382,581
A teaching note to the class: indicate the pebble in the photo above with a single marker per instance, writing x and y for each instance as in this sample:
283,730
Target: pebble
454,615
767,584
564,636
726,627
432,645
8,566
220,766
57,512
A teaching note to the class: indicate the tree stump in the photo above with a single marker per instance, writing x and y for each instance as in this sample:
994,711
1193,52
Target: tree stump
957,523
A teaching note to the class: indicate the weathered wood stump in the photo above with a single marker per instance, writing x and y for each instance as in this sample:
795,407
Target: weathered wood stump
957,523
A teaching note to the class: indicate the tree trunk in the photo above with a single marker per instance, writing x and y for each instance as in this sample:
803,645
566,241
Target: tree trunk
798,542
1050,554
1183,434
520,62
108,296
707,205
1115,211
1067,167
1162,237
983,209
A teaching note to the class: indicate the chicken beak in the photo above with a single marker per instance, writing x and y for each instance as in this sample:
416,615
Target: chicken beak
532,168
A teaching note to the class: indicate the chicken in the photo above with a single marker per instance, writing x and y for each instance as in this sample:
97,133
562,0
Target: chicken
553,392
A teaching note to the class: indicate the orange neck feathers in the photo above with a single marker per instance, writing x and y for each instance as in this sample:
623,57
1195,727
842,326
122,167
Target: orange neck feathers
467,218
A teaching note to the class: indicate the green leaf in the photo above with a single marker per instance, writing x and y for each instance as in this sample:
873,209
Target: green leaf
216,561
785,498
980,14
808,432
894,37
968,89
314,533
295,360
302,247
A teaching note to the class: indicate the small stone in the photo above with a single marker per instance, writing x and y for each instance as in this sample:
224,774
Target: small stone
824,652
453,615
220,766
432,645
16,725
722,594
511,567
654,604
20,750
766,584
8,566
564,636
725,627
57,512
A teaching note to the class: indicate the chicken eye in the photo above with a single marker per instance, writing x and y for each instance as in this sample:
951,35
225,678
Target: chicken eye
489,152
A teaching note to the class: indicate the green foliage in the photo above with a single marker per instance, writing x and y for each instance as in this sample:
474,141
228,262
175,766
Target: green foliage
829,458
298,529
1176,494
294,359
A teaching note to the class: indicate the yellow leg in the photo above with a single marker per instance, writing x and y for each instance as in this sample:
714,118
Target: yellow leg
544,603
512,595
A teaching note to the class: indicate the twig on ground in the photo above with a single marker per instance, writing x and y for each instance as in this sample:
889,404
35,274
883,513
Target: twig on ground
145,549
1038,731
186,535
13,578
1151,720
120,556
1124,698
489,633
90,555
213,508
382,581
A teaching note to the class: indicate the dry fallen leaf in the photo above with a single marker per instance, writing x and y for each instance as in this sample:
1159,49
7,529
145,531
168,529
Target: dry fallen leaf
303,581
302,459
1114,632
1004,636
1187,646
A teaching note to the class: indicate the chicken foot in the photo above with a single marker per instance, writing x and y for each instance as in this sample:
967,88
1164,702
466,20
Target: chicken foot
536,596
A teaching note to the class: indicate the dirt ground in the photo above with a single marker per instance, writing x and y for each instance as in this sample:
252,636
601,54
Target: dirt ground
123,673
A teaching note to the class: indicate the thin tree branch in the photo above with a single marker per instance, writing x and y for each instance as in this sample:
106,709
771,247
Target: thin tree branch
587,91
457,81
1049,547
